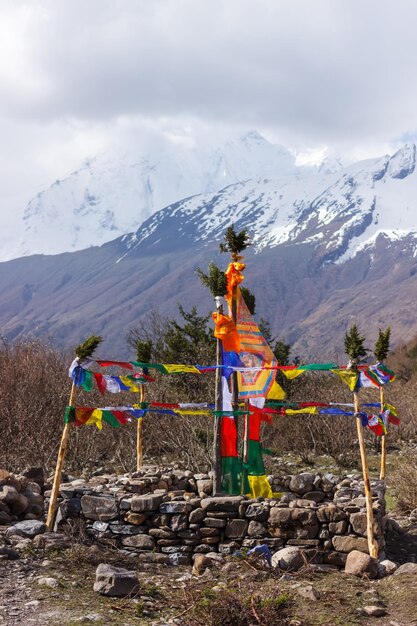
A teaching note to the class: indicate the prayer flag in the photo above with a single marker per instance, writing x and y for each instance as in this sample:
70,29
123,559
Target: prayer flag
254,352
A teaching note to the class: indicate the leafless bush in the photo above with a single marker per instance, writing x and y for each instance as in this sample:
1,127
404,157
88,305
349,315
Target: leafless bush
35,388
404,481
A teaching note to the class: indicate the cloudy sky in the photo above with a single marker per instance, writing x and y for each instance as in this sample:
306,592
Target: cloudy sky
81,76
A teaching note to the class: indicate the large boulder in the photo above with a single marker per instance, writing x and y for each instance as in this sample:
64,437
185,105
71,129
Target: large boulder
290,558
115,581
406,568
361,564
27,528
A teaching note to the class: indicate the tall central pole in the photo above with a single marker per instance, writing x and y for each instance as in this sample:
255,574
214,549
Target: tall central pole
235,385
217,469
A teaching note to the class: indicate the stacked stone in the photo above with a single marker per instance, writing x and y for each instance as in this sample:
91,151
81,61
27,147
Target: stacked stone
20,497
167,516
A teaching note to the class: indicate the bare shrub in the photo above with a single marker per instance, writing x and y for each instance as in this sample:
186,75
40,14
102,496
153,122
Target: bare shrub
33,390
404,481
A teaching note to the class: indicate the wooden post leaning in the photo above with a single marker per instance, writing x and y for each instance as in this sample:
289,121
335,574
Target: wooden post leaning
59,465
139,435
383,440
372,544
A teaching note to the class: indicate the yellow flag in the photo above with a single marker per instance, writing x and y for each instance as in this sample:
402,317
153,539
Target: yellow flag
259,487
291,374
95,419
173,368
307,409
391,409
129,383
350,377
276,392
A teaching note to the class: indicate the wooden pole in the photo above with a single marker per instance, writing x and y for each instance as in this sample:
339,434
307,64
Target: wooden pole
383,440
59,465
235,386
372,544
246,434
139,435
217,465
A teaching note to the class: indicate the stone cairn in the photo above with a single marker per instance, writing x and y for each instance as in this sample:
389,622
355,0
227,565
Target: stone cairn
168,515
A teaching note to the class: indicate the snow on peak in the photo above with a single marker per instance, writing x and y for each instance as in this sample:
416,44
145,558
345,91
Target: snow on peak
340,213
403,162
246,180
112,194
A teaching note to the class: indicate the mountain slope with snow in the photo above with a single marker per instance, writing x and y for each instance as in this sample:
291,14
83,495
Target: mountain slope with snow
341,213
329,248
112,195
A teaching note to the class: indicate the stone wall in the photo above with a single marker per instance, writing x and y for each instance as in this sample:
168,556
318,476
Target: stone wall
168,515
21,496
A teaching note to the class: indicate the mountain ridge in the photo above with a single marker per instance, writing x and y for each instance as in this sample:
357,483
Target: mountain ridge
328,249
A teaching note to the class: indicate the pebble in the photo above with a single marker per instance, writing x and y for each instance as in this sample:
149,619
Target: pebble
375,611
50,582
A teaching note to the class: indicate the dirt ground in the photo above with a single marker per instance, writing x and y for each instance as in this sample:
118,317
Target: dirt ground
235,593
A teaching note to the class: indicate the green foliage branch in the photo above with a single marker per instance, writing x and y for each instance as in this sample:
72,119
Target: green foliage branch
87,348
354,347
215,279
234,242
381,349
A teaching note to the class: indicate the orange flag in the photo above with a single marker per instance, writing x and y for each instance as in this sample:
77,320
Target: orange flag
225,330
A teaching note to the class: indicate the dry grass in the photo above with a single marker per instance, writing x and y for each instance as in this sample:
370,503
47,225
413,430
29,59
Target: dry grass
404,481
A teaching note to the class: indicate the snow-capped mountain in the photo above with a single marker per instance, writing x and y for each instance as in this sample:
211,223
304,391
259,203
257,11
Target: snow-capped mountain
328,248
113,194
340,212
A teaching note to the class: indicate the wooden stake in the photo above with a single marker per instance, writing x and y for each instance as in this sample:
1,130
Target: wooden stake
245,451
246,434
59,465
383,440
139,435
372,544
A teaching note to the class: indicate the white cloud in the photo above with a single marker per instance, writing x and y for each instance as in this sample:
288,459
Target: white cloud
77,76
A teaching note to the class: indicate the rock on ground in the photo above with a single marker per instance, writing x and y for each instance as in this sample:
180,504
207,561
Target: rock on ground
115,581
361,564
288,558
407,568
